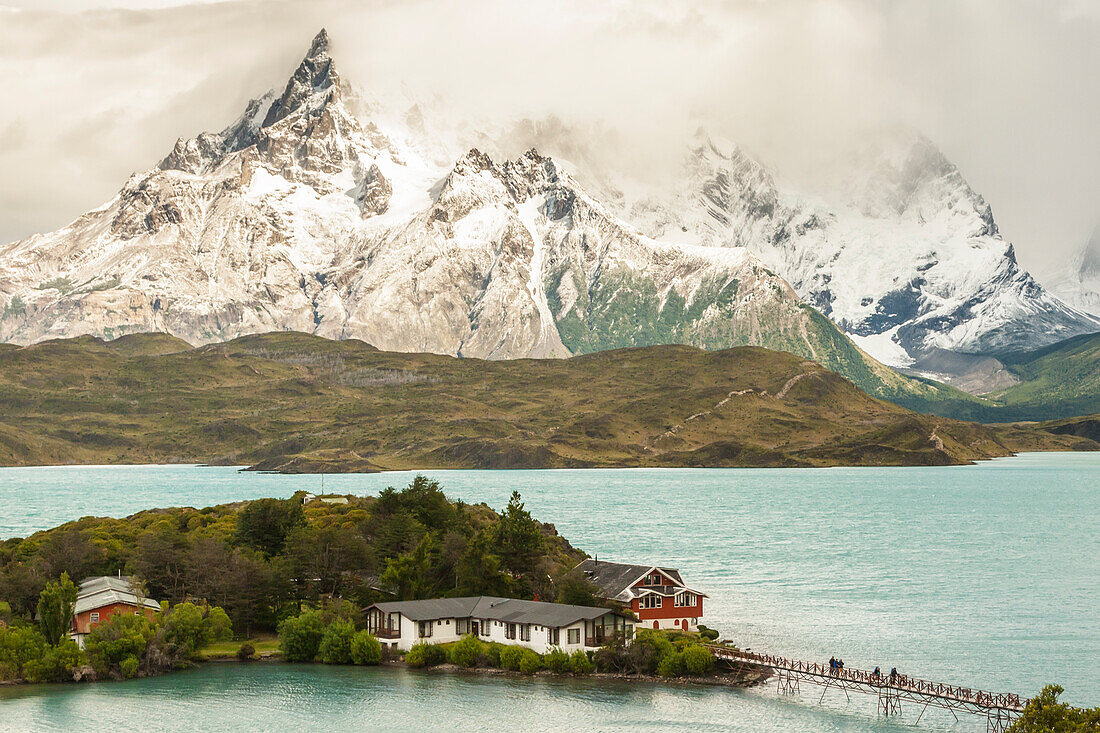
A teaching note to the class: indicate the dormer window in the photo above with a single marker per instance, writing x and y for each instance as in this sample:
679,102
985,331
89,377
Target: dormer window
652,579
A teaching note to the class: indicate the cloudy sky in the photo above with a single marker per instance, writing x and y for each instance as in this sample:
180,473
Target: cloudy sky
94,90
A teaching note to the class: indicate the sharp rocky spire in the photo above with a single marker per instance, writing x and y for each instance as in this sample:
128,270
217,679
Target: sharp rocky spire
315,75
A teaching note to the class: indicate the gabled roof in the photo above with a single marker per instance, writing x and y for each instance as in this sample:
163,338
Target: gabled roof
614,579
107,589
510,610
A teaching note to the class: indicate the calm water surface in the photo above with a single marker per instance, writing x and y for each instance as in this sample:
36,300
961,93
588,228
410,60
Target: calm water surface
984,575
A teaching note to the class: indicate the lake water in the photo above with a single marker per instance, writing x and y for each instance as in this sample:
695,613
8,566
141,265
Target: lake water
984,575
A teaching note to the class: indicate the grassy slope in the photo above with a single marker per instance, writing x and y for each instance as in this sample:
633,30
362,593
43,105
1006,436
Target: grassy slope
289,401
1059,381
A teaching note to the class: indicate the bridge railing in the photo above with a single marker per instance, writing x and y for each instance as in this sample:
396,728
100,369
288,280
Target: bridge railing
980,698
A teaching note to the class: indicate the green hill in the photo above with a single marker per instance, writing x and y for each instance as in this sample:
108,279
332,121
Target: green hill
293,402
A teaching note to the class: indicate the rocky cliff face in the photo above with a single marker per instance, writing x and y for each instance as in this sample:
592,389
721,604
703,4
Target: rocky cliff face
902,254
302,215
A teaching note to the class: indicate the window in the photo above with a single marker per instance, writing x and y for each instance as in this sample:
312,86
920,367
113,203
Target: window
525,632
553,636
425,629
510,631
685,599
94,618
462,626
573,636
650,600
652,579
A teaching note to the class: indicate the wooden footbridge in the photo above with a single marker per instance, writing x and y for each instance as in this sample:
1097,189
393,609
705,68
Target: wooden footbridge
999,710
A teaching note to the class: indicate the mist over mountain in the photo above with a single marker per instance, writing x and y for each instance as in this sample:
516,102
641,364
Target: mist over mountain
1079,283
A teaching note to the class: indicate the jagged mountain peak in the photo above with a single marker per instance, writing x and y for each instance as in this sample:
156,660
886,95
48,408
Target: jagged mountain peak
310,89
313,83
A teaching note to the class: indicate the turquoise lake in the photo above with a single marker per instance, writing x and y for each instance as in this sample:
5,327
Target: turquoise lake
984,575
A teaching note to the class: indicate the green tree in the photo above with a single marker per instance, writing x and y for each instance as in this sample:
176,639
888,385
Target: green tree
576,589
365,648
409,575
55,608
1045,714
335,646
300,636
264,524
519,537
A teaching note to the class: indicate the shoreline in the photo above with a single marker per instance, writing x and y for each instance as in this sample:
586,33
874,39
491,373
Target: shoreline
243,468
750,677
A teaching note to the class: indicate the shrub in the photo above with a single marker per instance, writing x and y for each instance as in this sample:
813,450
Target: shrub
556,660
510,656
646,652
365,648
189,626
698,661
708,633
56,664
18,646
671,665
466,651
300,636
128,667
530,661
247,652
492,652
579,663
117,639
425,655
335,646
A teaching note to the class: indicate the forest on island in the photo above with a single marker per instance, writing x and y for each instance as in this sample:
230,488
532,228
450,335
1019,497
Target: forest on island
257,563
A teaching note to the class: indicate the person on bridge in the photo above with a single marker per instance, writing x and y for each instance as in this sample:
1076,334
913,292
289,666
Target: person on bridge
893,672
832,663
877,673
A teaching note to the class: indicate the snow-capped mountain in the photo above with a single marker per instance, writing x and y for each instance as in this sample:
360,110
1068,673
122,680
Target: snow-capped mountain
1080,284
304,215
901,253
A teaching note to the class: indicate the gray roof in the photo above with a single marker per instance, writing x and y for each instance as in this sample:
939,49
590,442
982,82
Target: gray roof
615,578
107,589
511,610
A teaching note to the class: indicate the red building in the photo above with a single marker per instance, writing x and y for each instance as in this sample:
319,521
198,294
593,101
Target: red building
100,598
657,596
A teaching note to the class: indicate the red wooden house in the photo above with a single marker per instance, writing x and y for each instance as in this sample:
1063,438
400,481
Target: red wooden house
657,596
100,598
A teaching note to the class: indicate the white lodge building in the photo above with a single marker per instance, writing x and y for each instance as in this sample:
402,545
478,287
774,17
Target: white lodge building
533,624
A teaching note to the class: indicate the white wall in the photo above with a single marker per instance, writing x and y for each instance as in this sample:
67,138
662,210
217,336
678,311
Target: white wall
445,630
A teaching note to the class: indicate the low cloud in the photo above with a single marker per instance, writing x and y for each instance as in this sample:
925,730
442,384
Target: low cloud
97,89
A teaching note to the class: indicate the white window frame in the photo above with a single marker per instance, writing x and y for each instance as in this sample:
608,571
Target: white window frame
650,600
93,618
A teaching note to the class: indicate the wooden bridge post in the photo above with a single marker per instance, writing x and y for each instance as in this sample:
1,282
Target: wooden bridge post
998,720
786,682
889,701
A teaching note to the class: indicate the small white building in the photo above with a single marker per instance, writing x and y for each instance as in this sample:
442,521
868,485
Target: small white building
533,624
